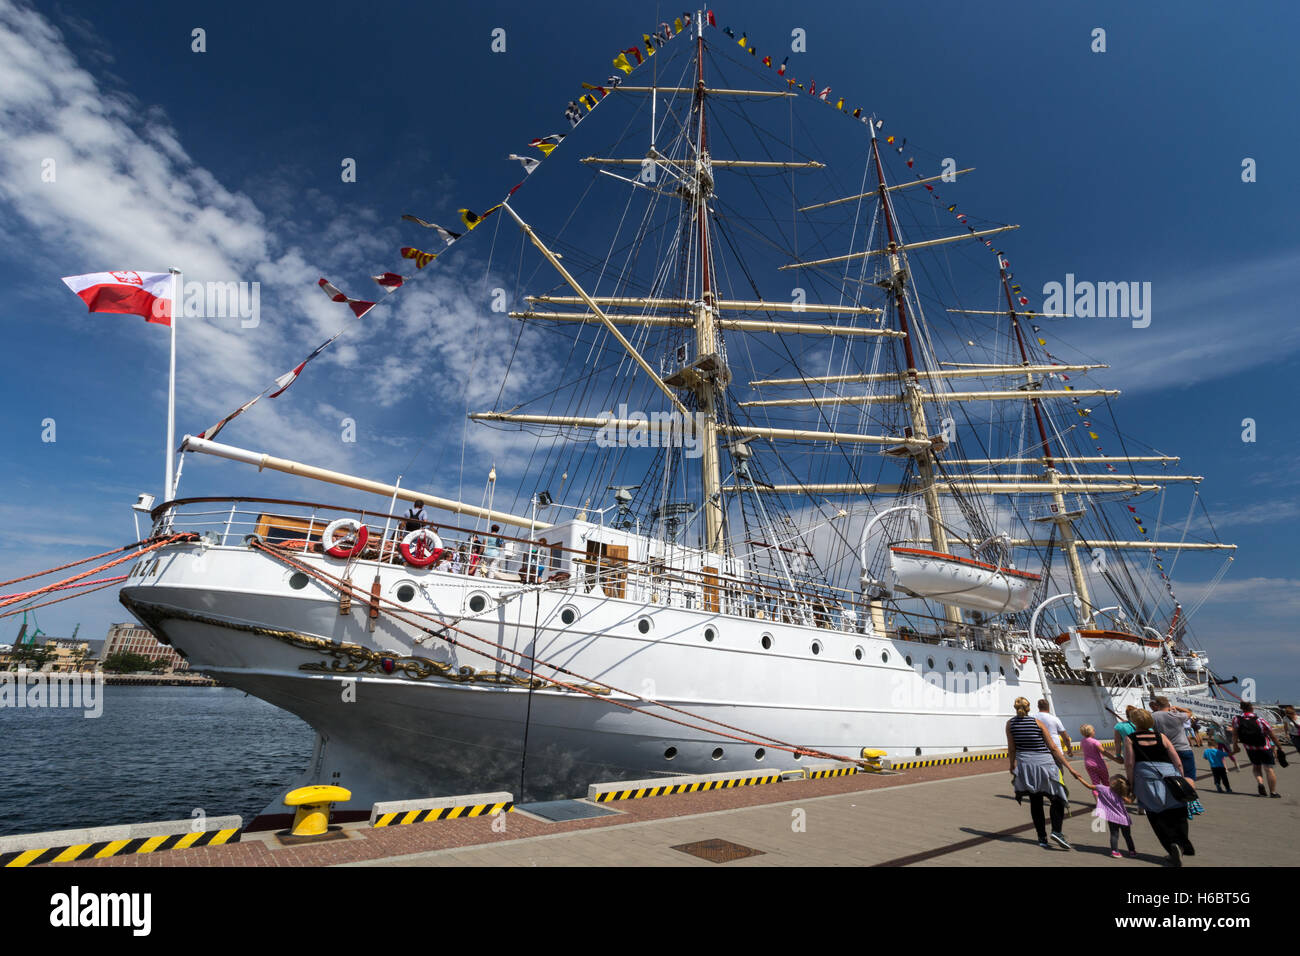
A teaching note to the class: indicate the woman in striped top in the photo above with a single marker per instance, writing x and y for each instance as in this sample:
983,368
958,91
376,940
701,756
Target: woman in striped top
1036,762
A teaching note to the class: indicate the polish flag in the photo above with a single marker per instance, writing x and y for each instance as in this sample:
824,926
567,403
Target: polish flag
146,294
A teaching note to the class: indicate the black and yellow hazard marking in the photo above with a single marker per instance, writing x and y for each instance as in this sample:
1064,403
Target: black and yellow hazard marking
968,758
397,818
107,848
698,786
830,772
948,761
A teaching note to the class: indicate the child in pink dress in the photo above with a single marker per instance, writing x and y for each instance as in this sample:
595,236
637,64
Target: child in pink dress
1094,759
1110,807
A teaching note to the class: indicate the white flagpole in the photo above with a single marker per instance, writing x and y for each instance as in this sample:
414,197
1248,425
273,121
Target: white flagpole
171,384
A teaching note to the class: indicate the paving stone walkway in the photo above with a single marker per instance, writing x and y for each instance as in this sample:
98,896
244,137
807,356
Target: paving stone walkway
961,815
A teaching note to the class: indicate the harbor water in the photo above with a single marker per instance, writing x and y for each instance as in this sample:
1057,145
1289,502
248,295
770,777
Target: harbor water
155,753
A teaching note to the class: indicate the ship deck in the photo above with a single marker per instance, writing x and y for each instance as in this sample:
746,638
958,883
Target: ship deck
950,815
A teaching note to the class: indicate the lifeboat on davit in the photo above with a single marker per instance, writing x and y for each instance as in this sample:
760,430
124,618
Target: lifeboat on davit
963,582
1110,651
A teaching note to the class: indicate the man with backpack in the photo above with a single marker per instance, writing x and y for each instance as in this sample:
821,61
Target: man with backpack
1254,733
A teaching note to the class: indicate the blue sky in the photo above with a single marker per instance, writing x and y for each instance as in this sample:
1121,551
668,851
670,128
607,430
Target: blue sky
1118,165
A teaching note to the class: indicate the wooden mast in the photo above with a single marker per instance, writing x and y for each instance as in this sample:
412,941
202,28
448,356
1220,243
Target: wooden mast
706,338
1061,514
912,387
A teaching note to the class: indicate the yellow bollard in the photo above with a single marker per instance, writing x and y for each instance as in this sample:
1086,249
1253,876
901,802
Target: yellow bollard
874,758
312,816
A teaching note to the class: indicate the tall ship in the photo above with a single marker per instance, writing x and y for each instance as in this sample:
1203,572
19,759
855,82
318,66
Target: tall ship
802,480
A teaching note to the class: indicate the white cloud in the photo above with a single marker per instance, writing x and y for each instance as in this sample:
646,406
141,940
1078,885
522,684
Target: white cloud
1202,328
128,194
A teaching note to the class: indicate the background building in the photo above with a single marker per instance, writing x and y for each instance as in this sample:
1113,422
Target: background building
60,654
134,639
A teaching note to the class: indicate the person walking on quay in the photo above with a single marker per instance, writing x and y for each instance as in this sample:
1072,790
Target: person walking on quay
1149,760
1220,736
1094,758
1053,724
1110,807
1172,722
1122,730
1214,755
1256,736
1292,723
1036,764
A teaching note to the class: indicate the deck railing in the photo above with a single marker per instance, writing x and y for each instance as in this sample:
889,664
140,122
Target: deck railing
755,594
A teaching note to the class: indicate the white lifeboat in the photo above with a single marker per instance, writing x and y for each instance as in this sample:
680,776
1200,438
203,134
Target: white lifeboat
1111,651
963,582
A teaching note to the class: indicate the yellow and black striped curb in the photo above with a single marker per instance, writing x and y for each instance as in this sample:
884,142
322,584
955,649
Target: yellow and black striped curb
830,772
399,817
968,758
698,786
947,761
107,848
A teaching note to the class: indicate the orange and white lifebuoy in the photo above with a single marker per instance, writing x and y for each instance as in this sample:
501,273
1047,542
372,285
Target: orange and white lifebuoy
342,549
416,552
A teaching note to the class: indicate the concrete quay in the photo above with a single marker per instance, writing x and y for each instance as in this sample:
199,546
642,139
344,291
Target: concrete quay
953,815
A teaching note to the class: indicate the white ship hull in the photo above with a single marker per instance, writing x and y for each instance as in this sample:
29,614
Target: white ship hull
416,733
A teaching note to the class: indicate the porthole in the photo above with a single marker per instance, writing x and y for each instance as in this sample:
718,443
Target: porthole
477,602
298,581
798,756
643,625
909,660
405,592
1002,672
950,665
568,615
710,634
670,753
717,753
918,751
767,642
884,656
857,653
816,647
987,672
929,662
760,753
969,667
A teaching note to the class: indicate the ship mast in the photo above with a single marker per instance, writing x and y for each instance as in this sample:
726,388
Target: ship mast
925,455
706,337
1061,515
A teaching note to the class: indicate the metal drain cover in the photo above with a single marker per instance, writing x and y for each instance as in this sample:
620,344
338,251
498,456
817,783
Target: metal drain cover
718,851
557,811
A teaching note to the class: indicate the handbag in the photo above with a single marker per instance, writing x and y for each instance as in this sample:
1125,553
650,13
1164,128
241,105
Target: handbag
1281,757
1180,789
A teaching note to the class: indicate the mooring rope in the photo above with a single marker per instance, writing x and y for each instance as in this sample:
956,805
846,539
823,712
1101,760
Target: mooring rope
73,564
67,597
59,585
756,738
